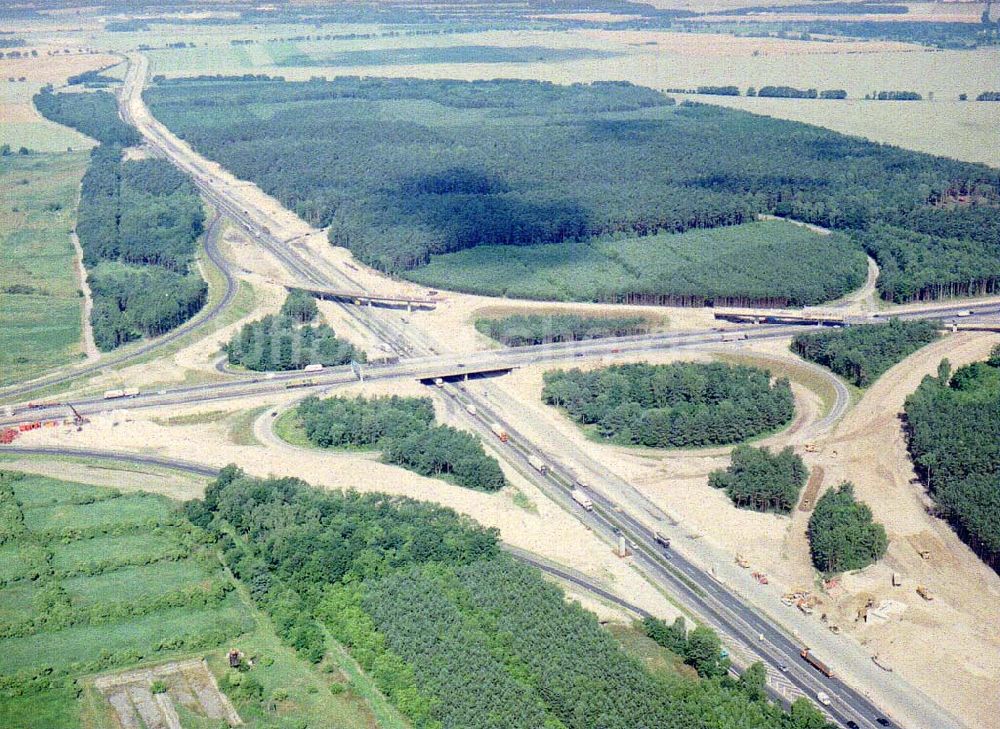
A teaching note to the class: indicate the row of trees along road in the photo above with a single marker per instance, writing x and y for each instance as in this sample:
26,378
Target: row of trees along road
429,606
414,168
138,225
673,405
953,429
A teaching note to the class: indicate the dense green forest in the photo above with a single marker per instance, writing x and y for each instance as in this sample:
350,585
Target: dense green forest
403,429
842,535
768,262
953,428
939,262
673,405
457,634
405,169
287,341
863,352
760,480
520,330
138,224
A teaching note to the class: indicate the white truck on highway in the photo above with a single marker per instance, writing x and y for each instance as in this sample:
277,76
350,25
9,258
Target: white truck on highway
127,392
580,497
312,368
538,464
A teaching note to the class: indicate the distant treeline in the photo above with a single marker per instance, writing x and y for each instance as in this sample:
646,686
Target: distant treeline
138,224
862,353
404,430
676,405
953,428
520,330
894,96
780,92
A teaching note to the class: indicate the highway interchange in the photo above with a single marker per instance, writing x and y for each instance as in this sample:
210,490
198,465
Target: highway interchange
692,584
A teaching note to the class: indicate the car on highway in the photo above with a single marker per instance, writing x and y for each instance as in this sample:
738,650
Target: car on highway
851,724
783,667
823,697
882,721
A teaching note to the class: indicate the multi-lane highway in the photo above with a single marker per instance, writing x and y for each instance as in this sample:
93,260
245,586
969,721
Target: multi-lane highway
689,582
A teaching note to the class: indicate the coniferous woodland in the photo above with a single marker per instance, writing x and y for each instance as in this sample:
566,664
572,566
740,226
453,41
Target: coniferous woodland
288,341
429,605
842,534
953,427
520,330
404,169
403,429
760,480
862,353
138,224
675,405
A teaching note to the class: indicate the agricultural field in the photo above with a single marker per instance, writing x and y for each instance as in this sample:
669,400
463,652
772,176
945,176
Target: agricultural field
95,581
40,304
750,262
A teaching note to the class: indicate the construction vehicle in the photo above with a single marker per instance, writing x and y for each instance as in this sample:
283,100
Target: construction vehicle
78,420
661,540
760,577
815,662
925,593
499,432
538,464
742,561
7,435
582,499
897,579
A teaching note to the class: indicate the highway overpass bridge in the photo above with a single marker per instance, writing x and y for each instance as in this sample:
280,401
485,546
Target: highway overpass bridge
365,298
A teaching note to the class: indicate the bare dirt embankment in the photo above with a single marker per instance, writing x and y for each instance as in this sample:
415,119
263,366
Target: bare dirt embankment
961,626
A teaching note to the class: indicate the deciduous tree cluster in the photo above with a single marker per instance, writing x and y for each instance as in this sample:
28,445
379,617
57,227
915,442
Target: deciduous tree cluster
404,430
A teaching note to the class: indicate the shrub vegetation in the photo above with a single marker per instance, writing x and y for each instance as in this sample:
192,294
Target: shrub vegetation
953,423
404,430
674,405
429,605
862,353
763,481
842,535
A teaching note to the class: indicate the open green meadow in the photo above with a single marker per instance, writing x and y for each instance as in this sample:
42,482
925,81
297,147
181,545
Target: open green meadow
39,290
95,581
750,259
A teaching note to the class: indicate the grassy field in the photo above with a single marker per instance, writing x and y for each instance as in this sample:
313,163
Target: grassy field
757,256
68,650
40,327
